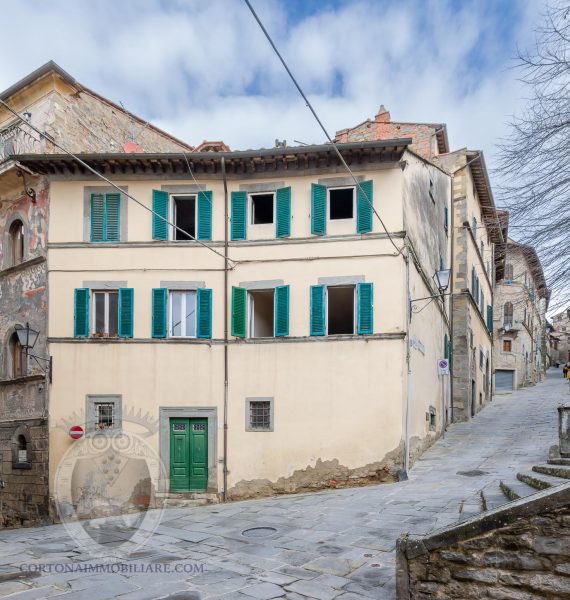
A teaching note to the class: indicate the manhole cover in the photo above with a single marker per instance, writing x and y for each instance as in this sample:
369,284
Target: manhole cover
259,532
474,473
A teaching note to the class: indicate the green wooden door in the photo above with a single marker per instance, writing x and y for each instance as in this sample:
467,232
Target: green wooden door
198,455
188,455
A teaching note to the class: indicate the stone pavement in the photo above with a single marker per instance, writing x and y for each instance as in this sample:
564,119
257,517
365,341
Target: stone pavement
332,544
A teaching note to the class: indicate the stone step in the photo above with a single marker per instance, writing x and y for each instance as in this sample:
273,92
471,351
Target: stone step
553,470
539,481
514,490
559,461
493,498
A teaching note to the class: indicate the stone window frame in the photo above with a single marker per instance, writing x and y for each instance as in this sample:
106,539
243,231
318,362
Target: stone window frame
21,431
431,418
7,367
7,241
91,400
248,402
123,211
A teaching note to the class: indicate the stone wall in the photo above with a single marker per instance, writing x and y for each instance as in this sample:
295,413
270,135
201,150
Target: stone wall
24,493
517,552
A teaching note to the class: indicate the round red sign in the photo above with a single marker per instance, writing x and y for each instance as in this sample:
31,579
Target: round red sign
76,432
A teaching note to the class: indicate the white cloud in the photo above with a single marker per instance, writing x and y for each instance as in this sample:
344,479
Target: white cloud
203,70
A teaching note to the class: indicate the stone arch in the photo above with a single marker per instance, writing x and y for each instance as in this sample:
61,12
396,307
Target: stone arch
9,225
21,443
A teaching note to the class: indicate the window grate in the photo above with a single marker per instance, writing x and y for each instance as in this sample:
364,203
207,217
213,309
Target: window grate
104,415
260,414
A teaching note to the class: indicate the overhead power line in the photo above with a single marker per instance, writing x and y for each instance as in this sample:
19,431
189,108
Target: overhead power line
310,107
101,176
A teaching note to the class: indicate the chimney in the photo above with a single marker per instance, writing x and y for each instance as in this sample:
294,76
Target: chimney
383,115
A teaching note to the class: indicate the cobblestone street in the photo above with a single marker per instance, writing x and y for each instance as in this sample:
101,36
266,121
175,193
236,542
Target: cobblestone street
333,544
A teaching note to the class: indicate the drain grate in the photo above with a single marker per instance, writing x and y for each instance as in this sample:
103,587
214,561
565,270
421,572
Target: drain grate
473,473
259,532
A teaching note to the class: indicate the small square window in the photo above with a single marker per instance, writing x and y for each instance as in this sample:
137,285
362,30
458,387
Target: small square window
341,203
262,209
103,413
507,345
259,414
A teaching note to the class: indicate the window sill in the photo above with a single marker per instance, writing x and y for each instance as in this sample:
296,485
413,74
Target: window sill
22,380
23,265
22,466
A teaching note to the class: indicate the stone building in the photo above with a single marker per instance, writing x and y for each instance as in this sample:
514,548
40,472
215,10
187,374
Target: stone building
474,229
276,350
560,335
521,300
54,102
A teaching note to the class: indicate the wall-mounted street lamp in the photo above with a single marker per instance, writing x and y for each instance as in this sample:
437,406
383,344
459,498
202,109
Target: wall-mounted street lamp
28,338
442,281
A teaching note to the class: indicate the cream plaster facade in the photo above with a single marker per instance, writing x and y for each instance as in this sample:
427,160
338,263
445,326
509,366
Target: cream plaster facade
342,407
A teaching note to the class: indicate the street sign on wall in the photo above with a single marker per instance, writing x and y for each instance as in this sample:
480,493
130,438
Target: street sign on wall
443,366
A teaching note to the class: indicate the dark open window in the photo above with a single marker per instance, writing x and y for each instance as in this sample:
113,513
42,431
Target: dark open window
17,357
509,272
508,314
184,215
261,313
340,308
341,203
17,242
106,313
261,209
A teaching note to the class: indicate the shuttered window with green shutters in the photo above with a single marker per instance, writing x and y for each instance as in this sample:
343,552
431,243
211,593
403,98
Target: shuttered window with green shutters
365,295
281,310
205,215
159,312
283,212
160,215
204,317
81,313
239,216
318,321
239,312
126,311
490,318
365,202
318,209
105,217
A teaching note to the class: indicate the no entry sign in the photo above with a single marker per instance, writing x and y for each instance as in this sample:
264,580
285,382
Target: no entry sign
76,432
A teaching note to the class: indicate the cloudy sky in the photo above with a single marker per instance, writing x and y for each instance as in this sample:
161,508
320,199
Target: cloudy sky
202,69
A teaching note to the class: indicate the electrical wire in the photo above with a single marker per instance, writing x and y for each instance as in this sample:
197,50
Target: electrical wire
310,107
101,176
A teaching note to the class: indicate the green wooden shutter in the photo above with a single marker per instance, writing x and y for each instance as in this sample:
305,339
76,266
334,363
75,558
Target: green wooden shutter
365,293
364,207
239,215
281,310
113,217
159,312
159,215
318,321
97,218
446,218
283,212
126,308
81,313
490,317
445,347
318,209
205,216
204,322
239,312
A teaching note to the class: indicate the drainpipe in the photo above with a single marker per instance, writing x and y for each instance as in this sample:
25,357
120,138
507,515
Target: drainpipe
226,262
452,267
406,255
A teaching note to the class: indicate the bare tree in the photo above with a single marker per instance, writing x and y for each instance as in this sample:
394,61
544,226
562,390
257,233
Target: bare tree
534,160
